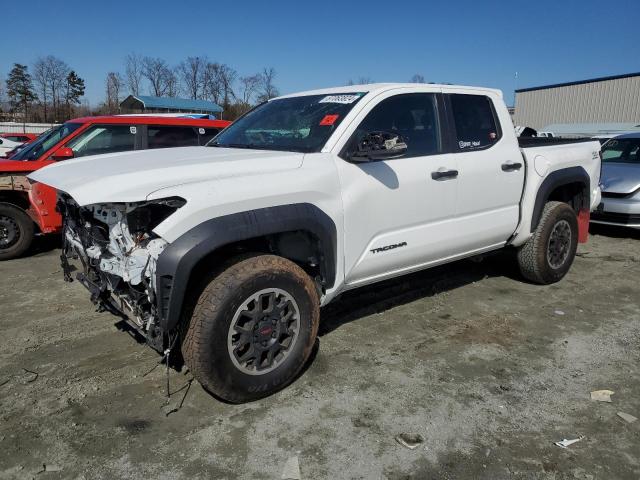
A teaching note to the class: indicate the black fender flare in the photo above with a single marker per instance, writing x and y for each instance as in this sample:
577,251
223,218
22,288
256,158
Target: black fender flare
177,261
557,179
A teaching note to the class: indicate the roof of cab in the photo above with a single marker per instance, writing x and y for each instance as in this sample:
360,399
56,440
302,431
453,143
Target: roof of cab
149,120
381,87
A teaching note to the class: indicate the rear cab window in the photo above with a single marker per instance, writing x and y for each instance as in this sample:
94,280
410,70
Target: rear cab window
475,122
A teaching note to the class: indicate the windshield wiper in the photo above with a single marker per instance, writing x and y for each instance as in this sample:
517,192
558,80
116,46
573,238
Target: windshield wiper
237,145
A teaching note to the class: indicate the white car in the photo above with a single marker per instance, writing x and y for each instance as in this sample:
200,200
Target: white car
620,182
228,251
7,145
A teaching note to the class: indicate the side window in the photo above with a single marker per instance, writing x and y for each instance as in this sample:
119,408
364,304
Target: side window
164,136
206,134
414,116
103,139
475,121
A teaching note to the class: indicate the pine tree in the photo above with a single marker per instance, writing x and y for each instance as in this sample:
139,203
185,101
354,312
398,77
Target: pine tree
74,89
20,89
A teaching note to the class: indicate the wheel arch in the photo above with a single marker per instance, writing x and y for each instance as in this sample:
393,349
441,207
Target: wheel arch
16,198
212,240
569,185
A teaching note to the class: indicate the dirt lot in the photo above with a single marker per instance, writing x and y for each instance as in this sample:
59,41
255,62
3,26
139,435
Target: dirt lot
488,369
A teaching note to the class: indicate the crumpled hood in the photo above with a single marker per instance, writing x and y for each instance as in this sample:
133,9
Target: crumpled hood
132,176
622,178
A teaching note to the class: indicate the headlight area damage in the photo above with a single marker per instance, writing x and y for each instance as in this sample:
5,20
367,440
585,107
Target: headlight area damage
113,251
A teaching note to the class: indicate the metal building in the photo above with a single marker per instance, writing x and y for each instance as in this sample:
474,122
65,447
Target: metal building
613,99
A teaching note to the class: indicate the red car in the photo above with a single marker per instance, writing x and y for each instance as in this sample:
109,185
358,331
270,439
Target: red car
19,137
27,209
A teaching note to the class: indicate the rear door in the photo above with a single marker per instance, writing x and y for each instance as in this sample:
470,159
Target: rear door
491,172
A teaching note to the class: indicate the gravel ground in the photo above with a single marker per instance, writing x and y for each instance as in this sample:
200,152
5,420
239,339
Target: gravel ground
489,370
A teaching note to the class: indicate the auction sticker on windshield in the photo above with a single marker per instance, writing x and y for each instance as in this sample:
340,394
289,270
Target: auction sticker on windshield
329,120
339,99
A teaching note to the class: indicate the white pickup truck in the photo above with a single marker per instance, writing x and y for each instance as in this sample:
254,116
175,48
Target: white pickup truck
228,251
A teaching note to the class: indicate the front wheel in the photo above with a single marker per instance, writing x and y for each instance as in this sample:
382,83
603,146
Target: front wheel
253,328
549,253
16,231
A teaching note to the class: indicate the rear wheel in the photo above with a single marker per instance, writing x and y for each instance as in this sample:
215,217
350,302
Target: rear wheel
253,328
16,231
549,253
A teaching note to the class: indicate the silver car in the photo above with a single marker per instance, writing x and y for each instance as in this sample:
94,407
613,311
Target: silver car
620,182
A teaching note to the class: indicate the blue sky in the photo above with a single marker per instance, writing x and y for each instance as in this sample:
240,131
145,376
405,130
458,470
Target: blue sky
320,44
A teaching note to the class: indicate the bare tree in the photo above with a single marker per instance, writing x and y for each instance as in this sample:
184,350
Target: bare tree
267,88
211,86
171,82
249,86
417,78
133,71
192,71
360,81
228,77
57,73
155,70
115,83
218,80
41,80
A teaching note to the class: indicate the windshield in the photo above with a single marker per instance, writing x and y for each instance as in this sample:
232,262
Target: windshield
296,124
34,150
621,150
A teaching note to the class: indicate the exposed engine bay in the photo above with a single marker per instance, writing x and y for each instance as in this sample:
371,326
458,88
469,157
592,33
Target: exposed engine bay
114,251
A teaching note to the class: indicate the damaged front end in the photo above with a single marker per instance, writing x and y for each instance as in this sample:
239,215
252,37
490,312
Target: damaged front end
113,250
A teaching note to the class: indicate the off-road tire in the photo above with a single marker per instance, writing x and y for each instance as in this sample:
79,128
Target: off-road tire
204,342
22,227
533,258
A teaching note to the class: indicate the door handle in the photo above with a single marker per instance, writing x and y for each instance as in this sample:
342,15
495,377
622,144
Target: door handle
444,174
511,166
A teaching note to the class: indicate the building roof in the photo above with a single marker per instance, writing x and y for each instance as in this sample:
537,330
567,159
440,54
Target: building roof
174,103
579,82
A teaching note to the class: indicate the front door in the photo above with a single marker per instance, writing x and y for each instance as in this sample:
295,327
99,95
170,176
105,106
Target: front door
400,212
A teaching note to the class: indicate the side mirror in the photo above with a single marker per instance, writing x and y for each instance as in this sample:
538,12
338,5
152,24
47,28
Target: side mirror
63,153
379,146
